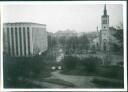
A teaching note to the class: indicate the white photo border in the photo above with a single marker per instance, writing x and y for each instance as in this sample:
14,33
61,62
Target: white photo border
124,3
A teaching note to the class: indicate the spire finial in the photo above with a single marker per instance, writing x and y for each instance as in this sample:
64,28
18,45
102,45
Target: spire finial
105,7
105,10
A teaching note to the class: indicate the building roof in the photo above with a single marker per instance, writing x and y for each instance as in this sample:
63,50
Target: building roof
23,23
105,12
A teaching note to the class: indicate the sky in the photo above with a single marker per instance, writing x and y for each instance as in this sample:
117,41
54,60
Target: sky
79,17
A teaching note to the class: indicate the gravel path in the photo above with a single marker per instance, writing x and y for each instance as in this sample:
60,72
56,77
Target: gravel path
78,81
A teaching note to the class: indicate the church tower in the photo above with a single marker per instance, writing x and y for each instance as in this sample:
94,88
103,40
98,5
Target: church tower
104,30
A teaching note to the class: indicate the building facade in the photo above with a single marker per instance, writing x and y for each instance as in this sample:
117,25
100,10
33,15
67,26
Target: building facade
24,38
104,31
105,35
102,40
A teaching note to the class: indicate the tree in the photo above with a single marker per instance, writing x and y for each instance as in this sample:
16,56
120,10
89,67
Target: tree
52,41
119,26
70,62
71,45
83,42
91,63
62,40
119,36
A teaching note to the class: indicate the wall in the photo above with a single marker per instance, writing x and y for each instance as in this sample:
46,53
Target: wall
39,36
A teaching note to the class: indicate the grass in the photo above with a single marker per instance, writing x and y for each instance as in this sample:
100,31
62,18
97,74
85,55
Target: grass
27,84
112,71
21,84
76,72
107,83
25,67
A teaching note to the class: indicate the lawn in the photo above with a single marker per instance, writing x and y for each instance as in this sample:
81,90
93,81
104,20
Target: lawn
102,82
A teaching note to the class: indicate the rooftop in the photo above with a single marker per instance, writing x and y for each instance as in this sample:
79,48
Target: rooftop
30,23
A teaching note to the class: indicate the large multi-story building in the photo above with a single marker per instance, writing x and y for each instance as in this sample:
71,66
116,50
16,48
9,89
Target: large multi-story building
24,38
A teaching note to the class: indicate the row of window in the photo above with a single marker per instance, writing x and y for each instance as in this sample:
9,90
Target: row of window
17,40
105,21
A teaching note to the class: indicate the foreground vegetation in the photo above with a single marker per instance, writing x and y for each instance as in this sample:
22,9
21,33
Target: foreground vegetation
107,83
92,66
17,69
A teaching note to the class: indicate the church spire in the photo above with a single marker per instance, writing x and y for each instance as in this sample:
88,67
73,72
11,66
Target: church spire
105,10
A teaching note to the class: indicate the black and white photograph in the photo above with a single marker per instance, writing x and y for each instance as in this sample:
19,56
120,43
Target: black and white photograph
64,45
0,47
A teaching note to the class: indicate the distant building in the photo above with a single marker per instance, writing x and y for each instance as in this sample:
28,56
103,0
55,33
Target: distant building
66,33
104,36
24,38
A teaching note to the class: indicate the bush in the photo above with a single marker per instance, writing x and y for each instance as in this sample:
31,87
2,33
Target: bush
16,68
70,62
90,64
82,66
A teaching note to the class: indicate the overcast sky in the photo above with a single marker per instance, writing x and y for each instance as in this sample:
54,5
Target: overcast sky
79,17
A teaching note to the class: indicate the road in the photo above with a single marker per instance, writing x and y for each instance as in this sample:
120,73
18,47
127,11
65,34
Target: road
46,84
78,81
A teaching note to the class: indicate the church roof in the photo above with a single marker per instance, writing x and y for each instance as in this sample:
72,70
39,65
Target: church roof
105,11
23,23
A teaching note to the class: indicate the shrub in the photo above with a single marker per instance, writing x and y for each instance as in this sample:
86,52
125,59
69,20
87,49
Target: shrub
21,67
80,66
70,62
90,64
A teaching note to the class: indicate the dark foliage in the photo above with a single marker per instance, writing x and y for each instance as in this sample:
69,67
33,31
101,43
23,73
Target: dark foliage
107,83
20,68
91,66
70,62
115,72
119,36
74,44
88,65
52,41
91,63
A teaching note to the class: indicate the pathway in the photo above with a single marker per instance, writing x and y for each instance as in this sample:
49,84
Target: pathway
78,81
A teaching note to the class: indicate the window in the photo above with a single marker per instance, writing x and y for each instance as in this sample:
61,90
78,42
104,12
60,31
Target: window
12,36
104,21
16,39
20,39
24,37
28,34
8,39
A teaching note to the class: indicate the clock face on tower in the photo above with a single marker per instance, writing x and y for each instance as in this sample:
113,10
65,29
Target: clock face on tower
105,27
